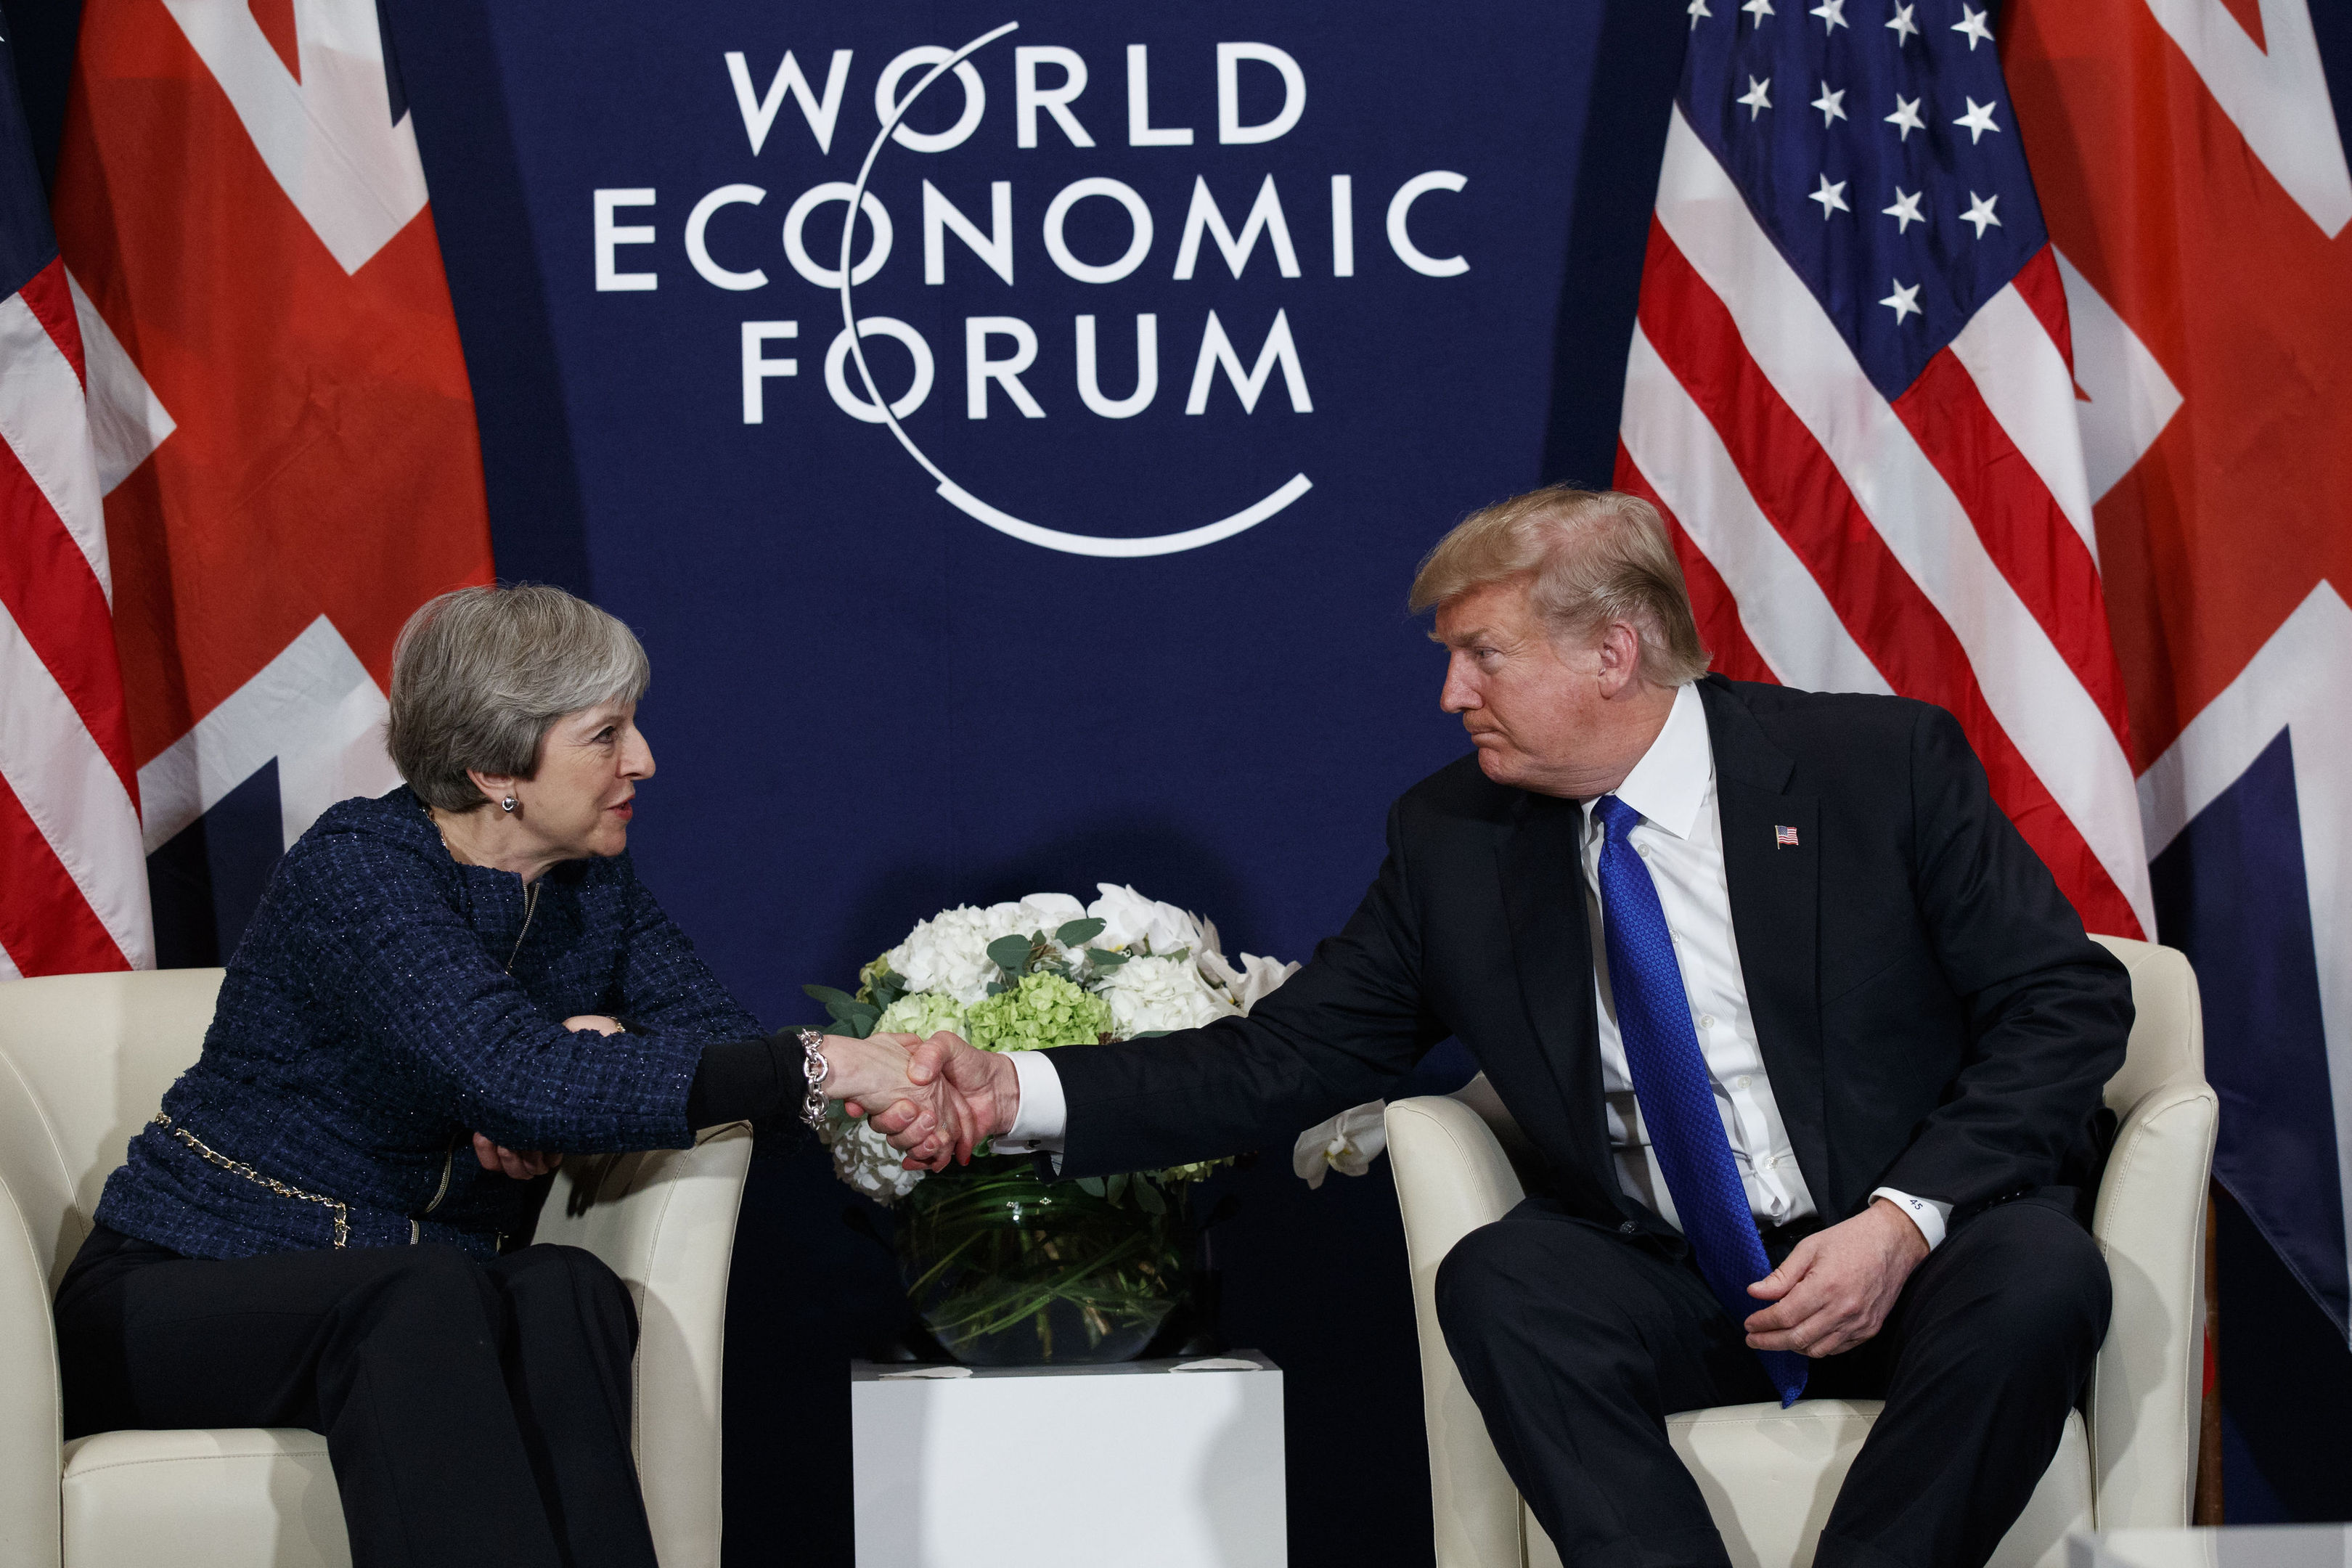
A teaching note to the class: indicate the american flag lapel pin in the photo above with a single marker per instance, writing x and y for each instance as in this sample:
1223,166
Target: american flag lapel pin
1784,837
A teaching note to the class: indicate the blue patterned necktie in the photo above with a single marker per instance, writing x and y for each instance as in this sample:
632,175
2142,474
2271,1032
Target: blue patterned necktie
1670,1080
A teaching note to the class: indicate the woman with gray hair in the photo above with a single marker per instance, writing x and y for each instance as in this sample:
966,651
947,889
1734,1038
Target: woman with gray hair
442,991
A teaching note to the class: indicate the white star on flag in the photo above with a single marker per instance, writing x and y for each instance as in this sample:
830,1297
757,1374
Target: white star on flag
1980,213
1697,9
1905,212
1906,117
1979,120
1760,9
1972,23
1903,302
1759,97
1831,13
1828,104
1905,29
1832,197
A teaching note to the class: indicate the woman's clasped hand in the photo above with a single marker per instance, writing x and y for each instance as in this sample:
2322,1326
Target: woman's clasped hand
524,1165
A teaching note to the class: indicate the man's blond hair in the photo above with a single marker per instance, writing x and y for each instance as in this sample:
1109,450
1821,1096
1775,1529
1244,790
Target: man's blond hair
1588,558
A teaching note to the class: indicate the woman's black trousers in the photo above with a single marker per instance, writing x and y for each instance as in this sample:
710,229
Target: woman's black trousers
473,1412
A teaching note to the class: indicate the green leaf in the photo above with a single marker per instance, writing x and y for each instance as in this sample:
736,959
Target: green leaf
1092,1185
1151,1034
1116,1188
1104,958
831,998
1150,1196
1010,953
998,988
1180,952
1077,934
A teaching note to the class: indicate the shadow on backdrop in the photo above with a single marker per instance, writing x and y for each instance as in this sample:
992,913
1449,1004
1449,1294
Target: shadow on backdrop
444,60
1640,65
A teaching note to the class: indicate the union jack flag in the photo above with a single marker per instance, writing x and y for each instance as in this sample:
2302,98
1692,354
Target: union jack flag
2201,204
1849,390
287,461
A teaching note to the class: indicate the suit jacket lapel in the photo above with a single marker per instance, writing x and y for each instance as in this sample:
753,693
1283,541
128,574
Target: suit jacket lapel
1775,916
1543,900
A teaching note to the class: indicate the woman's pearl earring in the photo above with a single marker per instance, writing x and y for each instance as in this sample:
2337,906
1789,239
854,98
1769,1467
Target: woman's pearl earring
507,805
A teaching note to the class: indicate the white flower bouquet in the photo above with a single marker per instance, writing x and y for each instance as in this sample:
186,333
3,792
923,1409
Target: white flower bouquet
1005,1266
1044,971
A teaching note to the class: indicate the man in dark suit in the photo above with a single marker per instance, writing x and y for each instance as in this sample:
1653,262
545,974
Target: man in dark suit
1809,1040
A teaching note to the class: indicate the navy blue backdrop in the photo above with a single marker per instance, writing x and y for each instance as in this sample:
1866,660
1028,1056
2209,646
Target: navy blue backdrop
867,704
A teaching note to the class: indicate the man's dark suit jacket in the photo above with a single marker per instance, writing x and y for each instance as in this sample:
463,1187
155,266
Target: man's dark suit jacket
1932,1015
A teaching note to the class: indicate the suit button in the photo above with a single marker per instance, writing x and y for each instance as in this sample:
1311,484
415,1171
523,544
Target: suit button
1628,1228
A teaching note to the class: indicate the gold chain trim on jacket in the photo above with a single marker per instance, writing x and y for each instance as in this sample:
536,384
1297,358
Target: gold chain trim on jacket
239,1168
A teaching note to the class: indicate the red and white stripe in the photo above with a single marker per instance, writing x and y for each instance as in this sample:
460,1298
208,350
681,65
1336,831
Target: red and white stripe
74,893
1939,546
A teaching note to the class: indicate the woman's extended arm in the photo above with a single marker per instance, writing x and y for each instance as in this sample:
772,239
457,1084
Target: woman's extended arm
750,1081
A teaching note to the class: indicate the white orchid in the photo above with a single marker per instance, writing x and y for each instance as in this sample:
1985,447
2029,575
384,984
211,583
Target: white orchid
1348,1143
1133,923
1253,982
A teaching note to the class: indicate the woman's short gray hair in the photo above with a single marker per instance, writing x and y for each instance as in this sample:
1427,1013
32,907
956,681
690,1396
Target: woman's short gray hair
1588,558
479,676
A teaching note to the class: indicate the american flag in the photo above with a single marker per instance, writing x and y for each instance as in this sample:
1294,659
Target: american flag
73,881
1850,391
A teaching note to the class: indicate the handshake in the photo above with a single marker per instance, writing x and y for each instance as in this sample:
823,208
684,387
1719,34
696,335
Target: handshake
935,1099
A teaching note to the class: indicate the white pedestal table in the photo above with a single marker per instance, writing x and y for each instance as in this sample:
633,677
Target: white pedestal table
1133,1466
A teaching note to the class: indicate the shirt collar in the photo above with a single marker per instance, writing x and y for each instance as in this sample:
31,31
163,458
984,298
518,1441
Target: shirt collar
1669,785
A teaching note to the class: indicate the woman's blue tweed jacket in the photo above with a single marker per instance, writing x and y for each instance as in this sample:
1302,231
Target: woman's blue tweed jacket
368,1026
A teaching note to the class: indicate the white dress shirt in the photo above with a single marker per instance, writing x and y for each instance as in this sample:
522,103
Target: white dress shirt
1680,839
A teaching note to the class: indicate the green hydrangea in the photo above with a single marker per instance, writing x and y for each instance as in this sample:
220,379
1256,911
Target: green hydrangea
925,1013
1044,1010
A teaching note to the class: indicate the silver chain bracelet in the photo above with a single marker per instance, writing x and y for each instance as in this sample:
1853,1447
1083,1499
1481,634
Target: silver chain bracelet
817,1071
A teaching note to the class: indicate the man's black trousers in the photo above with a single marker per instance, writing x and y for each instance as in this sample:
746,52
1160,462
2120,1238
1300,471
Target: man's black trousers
473,1412
1578,1342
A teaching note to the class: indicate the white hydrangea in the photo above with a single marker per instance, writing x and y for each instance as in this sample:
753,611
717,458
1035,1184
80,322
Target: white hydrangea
950,952
863,1159
1153,994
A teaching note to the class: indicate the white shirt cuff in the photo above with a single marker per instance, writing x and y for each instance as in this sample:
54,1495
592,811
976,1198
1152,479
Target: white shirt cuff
1044,1116
1929,1215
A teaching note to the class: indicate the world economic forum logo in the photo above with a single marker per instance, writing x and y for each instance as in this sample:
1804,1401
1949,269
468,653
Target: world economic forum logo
999,351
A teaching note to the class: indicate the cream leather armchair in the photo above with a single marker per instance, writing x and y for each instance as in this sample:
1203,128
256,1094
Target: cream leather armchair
84,1060
1771,1476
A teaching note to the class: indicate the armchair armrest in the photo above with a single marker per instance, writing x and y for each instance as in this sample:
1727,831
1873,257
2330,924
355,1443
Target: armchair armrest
663,1221
31,1403
2149,1377
1453,1176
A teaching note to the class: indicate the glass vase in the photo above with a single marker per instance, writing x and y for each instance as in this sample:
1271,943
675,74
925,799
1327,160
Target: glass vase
1006,1268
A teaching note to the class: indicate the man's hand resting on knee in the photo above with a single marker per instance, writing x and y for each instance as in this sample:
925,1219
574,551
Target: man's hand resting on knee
1837,1286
